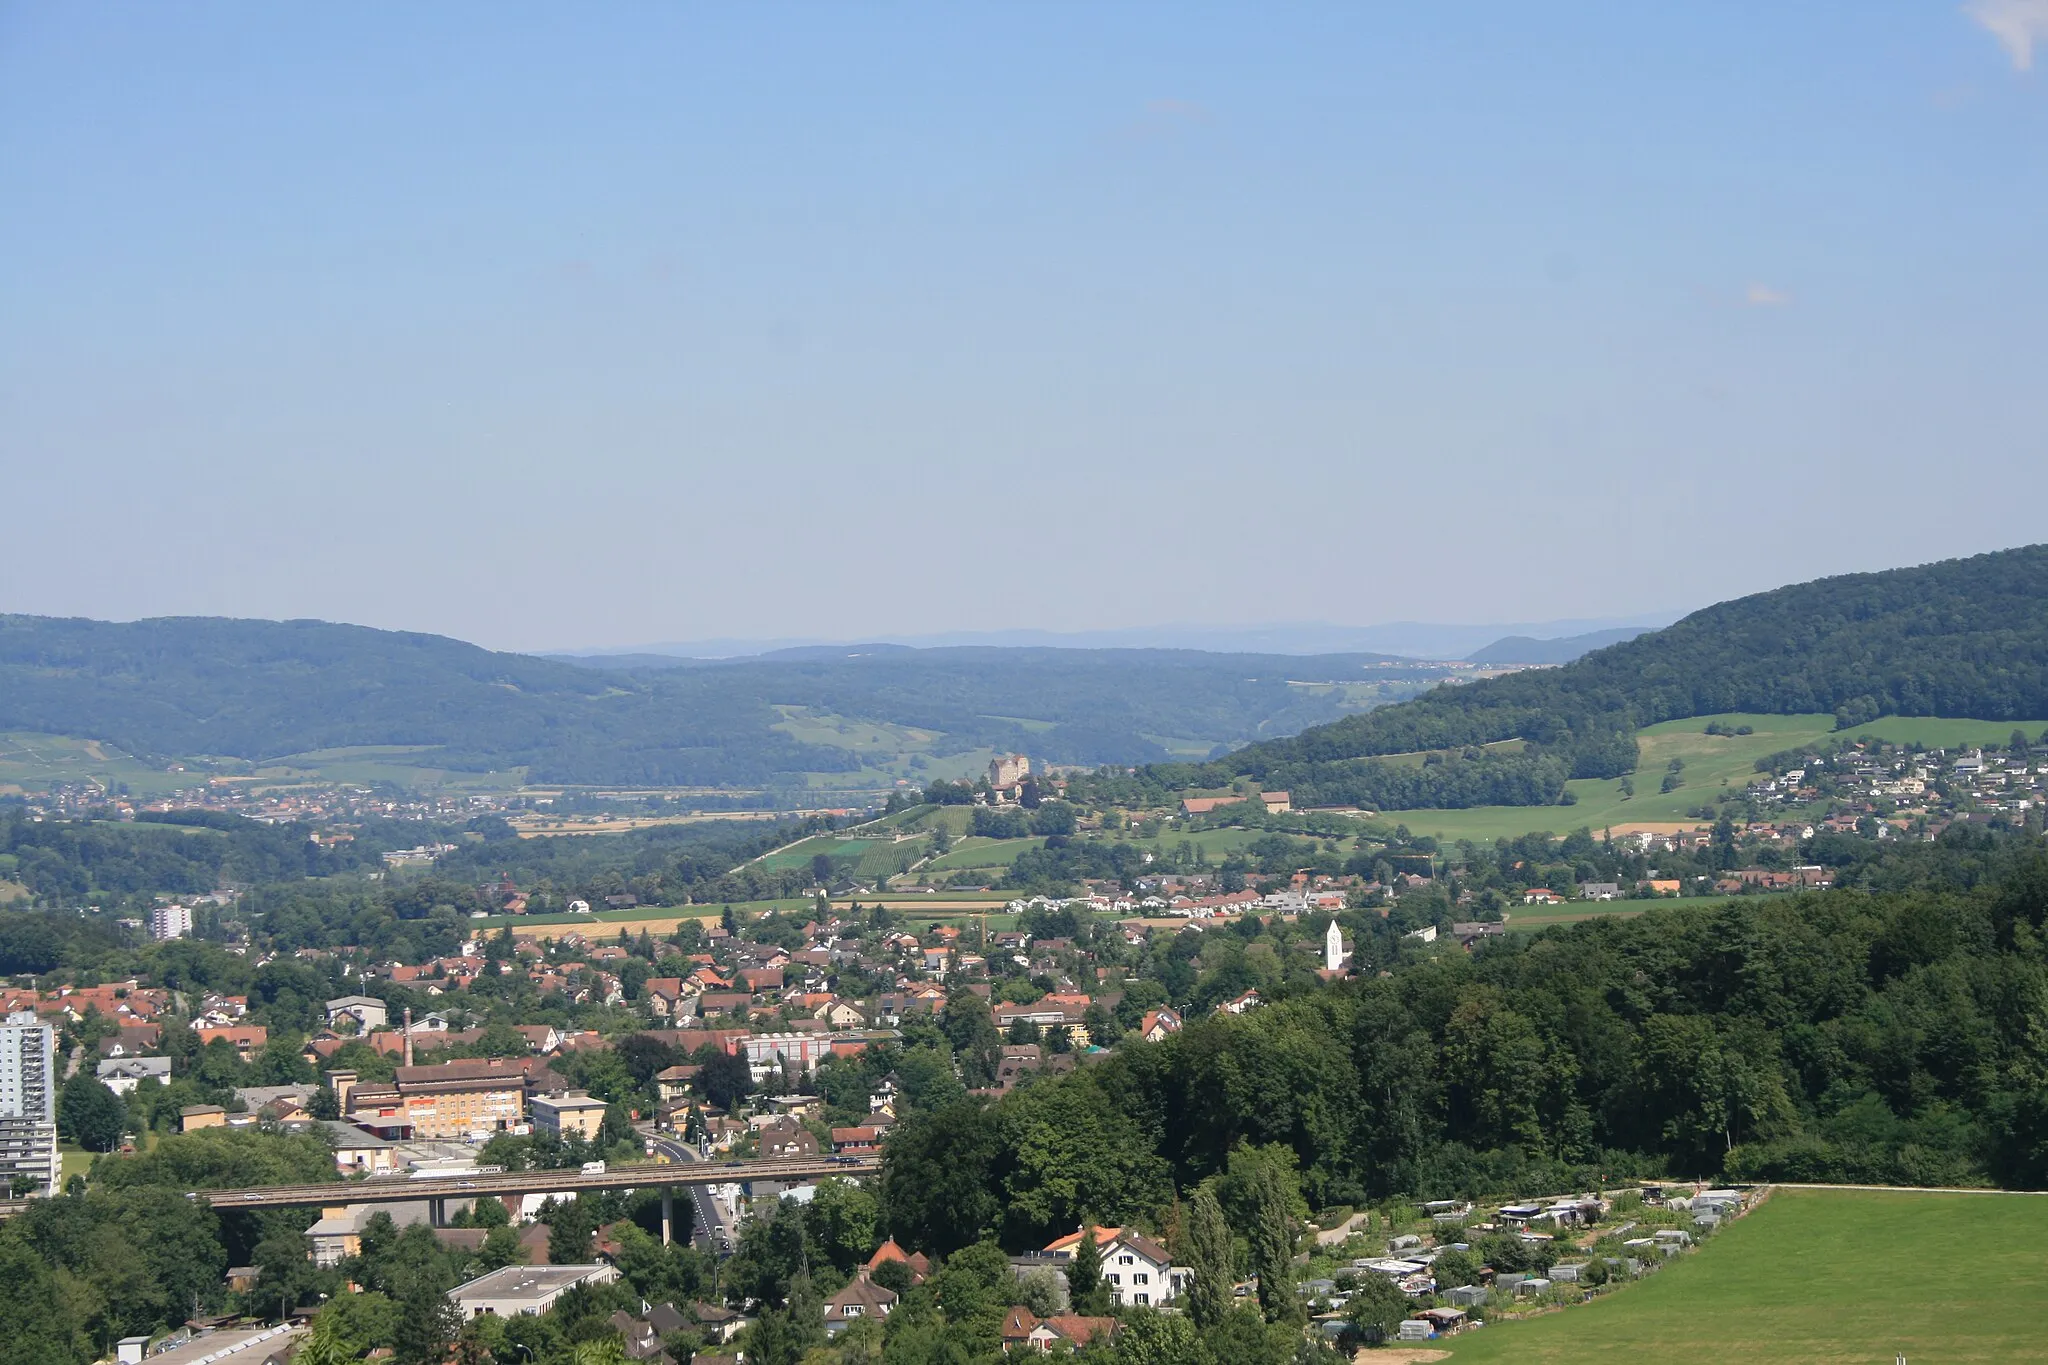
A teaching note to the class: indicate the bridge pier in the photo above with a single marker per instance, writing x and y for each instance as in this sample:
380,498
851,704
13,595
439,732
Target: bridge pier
668,1213
437,1213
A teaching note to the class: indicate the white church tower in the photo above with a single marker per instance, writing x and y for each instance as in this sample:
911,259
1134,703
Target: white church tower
1334,956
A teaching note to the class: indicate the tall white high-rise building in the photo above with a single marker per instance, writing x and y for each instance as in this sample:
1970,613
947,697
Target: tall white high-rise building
28,1102
170,921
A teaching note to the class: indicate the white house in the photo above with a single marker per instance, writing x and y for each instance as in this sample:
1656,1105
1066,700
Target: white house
367,1010
122,1074
1136,1268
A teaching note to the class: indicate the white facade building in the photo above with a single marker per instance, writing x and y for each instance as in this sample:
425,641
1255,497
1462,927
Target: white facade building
170,921
28,1101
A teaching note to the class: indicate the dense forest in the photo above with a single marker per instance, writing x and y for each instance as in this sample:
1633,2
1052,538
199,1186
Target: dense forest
252,690
1897,1034
1965,637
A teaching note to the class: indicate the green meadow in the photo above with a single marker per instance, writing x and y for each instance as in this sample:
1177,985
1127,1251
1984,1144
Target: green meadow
1818,1277
1713,764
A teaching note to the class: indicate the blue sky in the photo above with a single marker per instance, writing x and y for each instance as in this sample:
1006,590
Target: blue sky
605,324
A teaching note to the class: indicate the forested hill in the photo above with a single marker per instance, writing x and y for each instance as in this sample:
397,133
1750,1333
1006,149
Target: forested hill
1964,637
258,690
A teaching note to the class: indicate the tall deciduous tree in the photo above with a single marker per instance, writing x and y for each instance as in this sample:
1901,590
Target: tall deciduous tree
90,1114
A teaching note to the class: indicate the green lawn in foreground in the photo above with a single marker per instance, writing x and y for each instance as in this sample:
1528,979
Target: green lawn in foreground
1818,1277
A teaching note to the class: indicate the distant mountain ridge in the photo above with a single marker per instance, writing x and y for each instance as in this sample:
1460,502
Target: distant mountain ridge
260,690
1963,637
1420,640
1521,649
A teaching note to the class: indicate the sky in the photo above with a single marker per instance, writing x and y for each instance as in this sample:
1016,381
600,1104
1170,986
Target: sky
594,325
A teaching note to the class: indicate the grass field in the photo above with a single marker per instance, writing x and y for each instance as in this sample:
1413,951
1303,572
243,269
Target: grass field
73,1160
1936,732
400,765
1532,917
974,852
1820,1277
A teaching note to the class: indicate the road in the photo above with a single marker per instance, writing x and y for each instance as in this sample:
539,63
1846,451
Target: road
711,1228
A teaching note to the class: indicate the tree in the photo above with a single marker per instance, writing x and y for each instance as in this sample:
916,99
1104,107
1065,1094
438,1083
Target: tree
1084,1275
895,1276
974,1282
772,1340
971,1029
1377,1308
34,1328
1039,1290
501,1248
90,1114
807,1312
1245,1338
569,1234
1149,1337
607,1350
1101,1025
324,1344
725,1080
427,1326
1266,1195
1209,1256
1454,1268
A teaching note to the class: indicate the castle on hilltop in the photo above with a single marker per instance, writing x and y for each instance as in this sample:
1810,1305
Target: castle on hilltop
1006,771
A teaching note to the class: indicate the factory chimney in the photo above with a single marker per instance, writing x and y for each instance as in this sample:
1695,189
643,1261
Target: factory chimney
408,1035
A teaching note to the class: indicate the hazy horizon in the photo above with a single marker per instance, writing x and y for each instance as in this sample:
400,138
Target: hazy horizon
684,324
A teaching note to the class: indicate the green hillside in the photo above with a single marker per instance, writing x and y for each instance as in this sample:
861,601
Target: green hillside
1965,638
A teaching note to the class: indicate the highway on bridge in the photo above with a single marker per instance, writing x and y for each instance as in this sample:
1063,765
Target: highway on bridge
638,1176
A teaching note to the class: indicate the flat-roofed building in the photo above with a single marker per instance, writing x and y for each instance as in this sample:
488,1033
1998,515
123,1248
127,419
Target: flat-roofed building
576,1112
456,1099
524,1288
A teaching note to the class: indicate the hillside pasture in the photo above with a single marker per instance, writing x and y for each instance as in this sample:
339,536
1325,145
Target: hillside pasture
1713,763
1938,732
1818,1277
31,762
